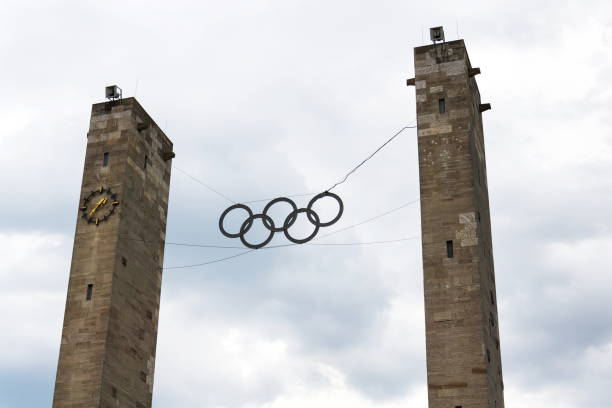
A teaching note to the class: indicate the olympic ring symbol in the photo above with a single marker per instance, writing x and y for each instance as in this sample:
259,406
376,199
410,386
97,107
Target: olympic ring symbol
291,218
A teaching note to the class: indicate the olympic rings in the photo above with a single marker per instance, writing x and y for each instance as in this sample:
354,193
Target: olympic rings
227,210
321,195
285,226
290,220
246,225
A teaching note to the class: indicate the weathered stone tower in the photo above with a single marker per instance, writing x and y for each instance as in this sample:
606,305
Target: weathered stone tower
462,336
107,354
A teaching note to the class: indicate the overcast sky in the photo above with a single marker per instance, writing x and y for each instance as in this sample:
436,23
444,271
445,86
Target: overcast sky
270,98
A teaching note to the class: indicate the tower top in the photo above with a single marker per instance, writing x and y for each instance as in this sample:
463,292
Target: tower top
442,48
143,120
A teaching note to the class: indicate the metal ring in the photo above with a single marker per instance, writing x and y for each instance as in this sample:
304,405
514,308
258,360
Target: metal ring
245,228
270,204
227,210
321,195
293,215
268,222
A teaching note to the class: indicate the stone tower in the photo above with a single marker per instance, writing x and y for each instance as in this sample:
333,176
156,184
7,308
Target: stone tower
107,353
462,336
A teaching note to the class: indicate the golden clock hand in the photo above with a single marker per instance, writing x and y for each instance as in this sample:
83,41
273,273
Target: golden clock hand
91,213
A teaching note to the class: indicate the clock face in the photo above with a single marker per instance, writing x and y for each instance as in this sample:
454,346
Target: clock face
99,205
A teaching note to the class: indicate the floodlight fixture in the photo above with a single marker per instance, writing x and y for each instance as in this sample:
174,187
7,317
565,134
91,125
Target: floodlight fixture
113,92
436,34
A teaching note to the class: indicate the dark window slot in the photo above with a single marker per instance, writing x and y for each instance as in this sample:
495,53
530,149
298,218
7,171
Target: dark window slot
449,249
105,159
89,291
441,105
146,162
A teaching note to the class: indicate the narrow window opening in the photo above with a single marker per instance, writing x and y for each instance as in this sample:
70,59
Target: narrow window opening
442,105
491,319
149,315
449,249
146,161
458,406
488,356
123,261
89,291
114,392
492,297
105,159
478,216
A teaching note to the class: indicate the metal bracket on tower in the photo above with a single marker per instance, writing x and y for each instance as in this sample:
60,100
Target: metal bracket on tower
484,107
473,72
167,155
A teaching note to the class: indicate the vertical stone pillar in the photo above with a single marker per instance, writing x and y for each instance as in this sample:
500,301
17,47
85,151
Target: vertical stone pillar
462,336
107,353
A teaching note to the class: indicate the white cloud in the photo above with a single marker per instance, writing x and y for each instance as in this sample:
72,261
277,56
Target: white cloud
34,276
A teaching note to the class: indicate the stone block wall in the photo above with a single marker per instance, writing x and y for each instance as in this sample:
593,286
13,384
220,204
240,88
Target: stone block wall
107,353
462,337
